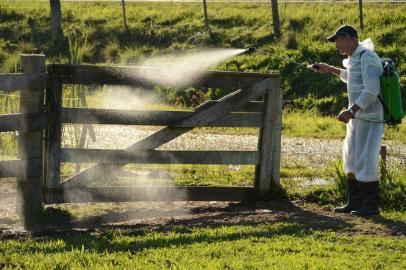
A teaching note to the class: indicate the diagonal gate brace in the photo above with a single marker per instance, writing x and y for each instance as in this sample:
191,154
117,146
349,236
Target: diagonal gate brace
204,115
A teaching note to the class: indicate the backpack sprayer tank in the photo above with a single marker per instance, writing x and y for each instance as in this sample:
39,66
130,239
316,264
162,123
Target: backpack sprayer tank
391,96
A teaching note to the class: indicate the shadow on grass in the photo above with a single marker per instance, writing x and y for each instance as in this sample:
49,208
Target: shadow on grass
396,227
176,228
182,232
271,218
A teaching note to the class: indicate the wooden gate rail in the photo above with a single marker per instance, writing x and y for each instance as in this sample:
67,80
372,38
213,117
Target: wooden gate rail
153,193
22,81
20,168
160,157
23,122
155,118
133,76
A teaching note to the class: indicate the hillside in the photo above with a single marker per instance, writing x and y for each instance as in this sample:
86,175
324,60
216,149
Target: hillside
96,35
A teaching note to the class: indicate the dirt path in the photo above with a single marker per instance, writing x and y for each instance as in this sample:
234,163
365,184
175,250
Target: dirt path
170,216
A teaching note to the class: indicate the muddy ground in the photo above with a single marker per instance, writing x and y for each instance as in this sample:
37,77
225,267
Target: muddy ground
166,216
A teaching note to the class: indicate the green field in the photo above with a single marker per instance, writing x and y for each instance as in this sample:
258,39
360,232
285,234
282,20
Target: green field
264,246
262,235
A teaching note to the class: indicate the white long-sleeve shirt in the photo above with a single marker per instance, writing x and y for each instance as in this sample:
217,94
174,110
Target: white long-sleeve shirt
362,78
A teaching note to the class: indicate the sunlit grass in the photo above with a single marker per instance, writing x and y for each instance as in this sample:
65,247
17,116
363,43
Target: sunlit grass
263,246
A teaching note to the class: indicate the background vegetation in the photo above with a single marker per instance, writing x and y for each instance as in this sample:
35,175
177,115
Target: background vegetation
157,28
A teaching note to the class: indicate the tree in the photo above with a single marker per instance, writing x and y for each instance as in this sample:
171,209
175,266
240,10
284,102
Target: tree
56,18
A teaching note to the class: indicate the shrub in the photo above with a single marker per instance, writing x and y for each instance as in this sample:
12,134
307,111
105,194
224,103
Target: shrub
112,52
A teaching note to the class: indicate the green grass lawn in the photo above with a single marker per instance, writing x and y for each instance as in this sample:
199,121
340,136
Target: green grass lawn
277,245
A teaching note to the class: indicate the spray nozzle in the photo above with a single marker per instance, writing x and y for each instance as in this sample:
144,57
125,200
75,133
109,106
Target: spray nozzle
251,49
313,66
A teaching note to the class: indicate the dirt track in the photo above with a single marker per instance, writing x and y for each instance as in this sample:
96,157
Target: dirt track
169,216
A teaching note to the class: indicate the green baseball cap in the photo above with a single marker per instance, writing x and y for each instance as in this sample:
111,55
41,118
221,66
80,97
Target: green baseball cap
343,30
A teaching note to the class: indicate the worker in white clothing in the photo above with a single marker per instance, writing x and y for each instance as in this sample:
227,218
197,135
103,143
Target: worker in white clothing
364,119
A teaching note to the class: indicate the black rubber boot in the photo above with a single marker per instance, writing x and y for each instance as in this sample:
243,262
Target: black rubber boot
354,197
370,193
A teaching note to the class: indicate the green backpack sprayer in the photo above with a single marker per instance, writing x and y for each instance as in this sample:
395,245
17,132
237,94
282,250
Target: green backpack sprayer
390,98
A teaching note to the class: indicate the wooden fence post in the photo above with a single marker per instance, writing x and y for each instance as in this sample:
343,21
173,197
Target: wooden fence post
361,15
53,136
269,143
29,184
206,19
275,19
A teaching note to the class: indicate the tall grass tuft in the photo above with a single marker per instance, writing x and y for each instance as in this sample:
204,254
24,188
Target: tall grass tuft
74,95
340,180
392,187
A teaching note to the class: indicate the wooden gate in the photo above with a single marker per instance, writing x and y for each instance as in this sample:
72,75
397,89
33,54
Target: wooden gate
46,116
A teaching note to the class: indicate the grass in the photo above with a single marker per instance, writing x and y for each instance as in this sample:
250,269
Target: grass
263,246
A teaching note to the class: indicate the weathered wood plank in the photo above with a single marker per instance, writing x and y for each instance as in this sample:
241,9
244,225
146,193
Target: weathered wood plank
201,117
159,157
153,118
22,122
91,74
20,168
21,81
30,143
230,79
252,106
277,130
269,136
158,193
136,76
54,133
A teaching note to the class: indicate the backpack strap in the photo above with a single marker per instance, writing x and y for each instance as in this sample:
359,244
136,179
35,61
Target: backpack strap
379,96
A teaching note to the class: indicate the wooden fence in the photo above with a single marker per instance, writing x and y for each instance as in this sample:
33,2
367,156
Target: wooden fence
42,115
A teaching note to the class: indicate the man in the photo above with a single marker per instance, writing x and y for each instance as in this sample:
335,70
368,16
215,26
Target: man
364,119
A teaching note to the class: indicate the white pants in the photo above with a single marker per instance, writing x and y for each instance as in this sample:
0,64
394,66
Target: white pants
361,149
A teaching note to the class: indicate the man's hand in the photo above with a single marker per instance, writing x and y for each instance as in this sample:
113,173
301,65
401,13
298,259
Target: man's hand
344,116
326,68
322,68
